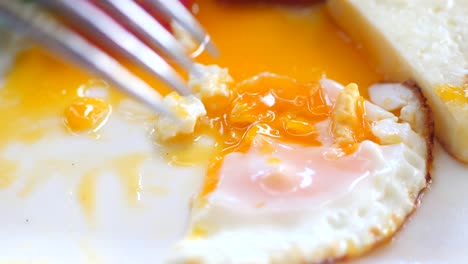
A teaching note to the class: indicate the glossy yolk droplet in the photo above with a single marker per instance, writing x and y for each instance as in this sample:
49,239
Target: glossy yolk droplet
86,114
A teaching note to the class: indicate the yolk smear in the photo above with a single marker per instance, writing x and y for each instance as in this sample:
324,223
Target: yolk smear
87,113
197,232
129,169
87,193
7,170
38,174
457,95
212,176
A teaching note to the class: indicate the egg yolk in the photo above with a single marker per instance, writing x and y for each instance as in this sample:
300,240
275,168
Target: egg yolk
280,108
302,45
271,105
87,114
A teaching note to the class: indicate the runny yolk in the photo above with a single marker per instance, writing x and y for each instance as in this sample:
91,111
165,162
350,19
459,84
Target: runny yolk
303,43
87,114
276,107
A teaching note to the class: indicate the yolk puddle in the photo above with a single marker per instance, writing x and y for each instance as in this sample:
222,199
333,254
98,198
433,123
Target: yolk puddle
302,43
197,232
188,152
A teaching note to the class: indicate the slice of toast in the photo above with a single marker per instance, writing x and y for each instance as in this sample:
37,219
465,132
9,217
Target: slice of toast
423,40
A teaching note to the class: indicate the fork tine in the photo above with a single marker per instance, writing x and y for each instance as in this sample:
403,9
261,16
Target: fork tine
116,37
145,25
52,34
173,9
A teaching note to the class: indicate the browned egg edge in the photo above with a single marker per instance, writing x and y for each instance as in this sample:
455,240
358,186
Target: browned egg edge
428,134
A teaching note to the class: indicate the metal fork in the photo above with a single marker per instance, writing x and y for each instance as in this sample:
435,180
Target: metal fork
38,20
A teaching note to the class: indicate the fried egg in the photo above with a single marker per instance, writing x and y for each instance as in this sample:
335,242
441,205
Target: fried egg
88,175
308,172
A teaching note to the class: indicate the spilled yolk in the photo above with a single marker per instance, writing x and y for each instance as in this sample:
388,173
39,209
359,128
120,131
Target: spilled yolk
86,114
